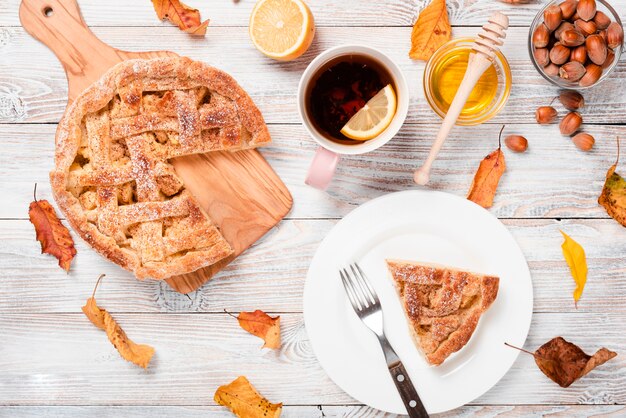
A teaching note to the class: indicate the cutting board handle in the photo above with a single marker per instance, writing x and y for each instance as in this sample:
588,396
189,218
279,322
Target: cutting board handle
59,25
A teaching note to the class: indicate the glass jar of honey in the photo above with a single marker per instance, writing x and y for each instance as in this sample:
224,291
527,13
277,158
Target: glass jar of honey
443,75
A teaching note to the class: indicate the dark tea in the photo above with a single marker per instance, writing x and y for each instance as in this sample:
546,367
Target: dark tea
339,89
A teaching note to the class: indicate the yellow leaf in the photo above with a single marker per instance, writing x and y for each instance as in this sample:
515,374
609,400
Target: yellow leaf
245,402
577,260
431,30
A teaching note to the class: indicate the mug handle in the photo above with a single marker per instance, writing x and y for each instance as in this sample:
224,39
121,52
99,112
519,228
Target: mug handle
322,168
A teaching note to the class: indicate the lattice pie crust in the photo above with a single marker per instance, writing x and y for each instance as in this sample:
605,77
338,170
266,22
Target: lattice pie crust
113,178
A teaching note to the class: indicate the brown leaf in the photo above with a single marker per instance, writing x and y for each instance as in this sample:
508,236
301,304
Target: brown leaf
613,196
431,30
185,17
564,362
486,179
262,325
55,239
244,401
140,354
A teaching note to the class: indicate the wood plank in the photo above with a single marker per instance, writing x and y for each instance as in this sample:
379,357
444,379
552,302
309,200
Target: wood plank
37,93
319,411
326,12
57,359
271,275
552,179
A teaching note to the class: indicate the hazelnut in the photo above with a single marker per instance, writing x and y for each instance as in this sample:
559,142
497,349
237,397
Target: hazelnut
602,33
541,36
552,17
570,123
541,56
586,28
586,9
545,115
563,27
592,74
572,37
596,49
583,141
601,20
571,99
551,70
568,8
579,54
516,143
614,35
572,71
610,57
559,54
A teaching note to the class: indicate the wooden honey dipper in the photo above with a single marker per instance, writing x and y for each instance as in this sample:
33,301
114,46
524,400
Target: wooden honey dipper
483,53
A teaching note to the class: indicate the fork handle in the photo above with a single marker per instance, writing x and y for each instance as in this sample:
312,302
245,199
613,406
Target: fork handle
411,399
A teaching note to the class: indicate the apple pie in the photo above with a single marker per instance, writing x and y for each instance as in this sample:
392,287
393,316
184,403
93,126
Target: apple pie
443,305
113,178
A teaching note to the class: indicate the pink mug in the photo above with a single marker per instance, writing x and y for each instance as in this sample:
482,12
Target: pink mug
327,155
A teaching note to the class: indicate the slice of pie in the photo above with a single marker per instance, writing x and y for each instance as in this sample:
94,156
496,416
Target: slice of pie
443,305
113,178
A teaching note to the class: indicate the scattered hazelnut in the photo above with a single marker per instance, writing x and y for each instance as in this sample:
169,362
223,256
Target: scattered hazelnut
586,9
552,17
559,54
571,99
545,115
570,123
568,8
541,36
592,74
572,71
614,35
516,143
572,37
586,28
583,141
579,54
596,49
601,20
541,56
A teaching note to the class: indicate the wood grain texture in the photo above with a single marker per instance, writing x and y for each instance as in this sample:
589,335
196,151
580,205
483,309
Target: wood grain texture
344,13
37,93
318,411
552,179
197,353
271,275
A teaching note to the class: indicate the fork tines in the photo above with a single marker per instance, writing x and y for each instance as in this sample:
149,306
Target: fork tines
358,288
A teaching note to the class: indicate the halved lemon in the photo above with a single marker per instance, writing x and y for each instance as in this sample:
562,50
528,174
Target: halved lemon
373,118
281,29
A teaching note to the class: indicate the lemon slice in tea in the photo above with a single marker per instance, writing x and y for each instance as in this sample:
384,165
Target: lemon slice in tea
373,118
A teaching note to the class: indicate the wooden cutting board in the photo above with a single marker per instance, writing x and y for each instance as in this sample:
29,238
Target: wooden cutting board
239,191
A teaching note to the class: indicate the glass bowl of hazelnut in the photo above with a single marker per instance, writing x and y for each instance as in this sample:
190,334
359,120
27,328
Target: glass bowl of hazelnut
576,44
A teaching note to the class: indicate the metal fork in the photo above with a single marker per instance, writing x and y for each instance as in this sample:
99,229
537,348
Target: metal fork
367,307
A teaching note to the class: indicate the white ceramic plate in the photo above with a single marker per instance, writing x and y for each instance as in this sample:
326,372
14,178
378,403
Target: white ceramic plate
423,226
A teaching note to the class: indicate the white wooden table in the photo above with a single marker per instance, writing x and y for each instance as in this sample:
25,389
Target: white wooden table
54,362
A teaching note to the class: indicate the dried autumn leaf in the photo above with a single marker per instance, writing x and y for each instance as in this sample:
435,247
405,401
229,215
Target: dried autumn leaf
487,177
140,354
55,239
613,196
262,325
431,30
185,17
565,362
575,257
244,401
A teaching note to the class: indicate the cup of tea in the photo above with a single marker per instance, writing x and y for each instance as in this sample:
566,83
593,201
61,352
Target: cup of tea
335,85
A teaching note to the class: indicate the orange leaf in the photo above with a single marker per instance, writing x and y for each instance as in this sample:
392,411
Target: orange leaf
244,401
55,239
262,325
431,30
140,354
185,17
486,179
